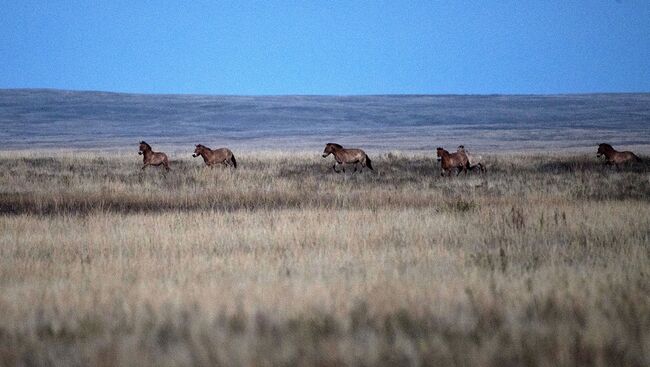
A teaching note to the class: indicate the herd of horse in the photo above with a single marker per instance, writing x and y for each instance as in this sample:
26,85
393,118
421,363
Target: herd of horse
460,160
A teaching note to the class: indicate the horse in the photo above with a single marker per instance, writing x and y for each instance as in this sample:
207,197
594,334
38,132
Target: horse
345,155
612,156
473,161
152,158
211,157
449,161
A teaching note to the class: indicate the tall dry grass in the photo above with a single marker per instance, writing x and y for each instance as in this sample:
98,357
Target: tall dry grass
544,260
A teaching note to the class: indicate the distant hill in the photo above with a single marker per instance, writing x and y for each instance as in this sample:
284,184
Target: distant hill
53,119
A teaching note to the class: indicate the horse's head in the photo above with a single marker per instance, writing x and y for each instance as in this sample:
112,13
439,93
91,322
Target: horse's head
440,153
603,149
330,148
144,147
198,150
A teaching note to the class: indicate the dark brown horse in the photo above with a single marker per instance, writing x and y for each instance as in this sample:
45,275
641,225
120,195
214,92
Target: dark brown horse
347,156
449,161
612,156
218,156
152,158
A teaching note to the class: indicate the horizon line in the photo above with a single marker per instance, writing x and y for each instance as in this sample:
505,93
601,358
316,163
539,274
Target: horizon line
47,89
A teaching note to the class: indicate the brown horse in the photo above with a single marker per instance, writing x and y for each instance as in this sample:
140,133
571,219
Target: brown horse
449,161
612,156
473,161
343,156
211,157
152,158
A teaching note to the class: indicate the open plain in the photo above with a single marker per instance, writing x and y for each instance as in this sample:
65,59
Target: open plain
170,194
543,260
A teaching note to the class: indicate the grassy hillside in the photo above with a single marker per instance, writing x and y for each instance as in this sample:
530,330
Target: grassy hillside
544,260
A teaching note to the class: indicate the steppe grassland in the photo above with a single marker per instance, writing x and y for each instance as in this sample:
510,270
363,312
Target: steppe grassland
543,260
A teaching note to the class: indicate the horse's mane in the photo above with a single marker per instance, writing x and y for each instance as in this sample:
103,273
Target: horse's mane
606,146
337,146
202,146
145,144
444,150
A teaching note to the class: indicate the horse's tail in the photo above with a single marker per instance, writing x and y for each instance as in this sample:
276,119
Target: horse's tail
636,157
166,162
233,160
369,163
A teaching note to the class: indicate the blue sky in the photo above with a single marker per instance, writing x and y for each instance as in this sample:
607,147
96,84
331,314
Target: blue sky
327,47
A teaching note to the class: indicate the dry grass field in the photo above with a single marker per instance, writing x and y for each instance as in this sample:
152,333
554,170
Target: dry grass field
542,261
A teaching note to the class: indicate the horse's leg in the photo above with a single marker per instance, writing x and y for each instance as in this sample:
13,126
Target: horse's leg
608,165
165,163
334,167
145,165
